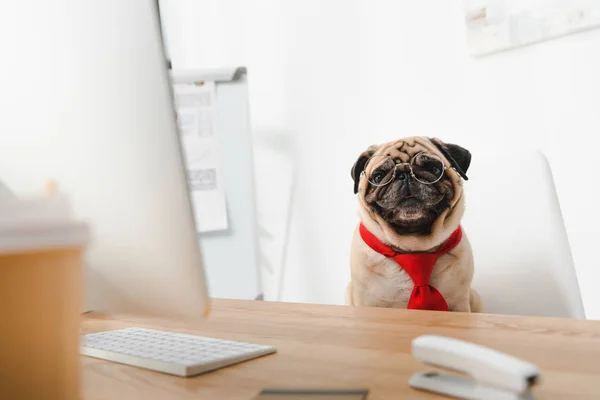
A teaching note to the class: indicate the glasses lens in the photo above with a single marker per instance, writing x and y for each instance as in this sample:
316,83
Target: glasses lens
380,170
427,168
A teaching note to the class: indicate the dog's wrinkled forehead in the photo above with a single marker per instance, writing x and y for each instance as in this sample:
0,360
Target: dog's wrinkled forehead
403,150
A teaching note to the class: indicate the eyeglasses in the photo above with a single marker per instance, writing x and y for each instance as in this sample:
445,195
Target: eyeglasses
424,167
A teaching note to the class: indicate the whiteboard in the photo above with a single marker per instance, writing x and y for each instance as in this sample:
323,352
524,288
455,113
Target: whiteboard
231,256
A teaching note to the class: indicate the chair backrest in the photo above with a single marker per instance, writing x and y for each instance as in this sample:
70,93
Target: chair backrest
523,262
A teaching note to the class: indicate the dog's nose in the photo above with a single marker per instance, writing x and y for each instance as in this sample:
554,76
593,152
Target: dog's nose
403,176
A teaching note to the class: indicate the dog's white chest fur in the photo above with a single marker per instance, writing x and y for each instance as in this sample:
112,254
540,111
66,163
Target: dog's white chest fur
378,281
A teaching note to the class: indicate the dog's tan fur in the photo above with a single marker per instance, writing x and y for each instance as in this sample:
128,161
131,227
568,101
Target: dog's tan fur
378,281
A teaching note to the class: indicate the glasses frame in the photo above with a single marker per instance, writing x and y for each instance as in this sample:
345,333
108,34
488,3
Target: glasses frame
410,168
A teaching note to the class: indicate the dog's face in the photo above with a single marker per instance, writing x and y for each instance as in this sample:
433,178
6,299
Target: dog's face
409,183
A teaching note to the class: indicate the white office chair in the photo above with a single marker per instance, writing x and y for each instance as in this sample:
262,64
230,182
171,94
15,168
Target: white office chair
523,262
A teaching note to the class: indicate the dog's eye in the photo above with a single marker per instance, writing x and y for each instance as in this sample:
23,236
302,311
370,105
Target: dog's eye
377,177
434,170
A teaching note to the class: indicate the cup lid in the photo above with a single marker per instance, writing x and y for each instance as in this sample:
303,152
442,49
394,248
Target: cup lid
39,223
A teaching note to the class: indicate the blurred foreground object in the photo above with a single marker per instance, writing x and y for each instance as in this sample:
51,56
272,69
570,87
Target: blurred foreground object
41,266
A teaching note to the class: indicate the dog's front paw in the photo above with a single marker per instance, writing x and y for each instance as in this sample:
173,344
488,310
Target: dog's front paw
349,295
472,303
475,301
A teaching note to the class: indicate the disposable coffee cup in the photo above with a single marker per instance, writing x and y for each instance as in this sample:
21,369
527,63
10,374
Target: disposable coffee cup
41,290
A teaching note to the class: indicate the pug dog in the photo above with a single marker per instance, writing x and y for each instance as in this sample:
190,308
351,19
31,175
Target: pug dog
409,249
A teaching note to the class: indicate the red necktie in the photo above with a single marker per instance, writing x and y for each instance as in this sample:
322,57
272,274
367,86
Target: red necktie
419,267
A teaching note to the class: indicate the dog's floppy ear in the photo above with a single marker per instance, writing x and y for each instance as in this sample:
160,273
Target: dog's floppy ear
359,165
459,157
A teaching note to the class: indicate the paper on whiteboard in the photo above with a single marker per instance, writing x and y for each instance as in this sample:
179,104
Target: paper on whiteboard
195,109
206,185
195,115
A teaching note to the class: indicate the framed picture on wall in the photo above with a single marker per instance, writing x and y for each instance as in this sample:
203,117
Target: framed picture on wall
498,25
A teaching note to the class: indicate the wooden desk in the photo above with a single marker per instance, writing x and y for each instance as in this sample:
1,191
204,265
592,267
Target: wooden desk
342,347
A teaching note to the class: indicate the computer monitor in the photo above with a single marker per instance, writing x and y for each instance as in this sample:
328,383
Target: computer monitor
89,104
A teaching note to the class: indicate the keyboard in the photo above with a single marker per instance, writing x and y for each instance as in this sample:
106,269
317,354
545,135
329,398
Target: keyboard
169,352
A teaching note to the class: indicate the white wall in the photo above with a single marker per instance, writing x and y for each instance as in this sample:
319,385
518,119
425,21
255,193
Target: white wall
347,74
